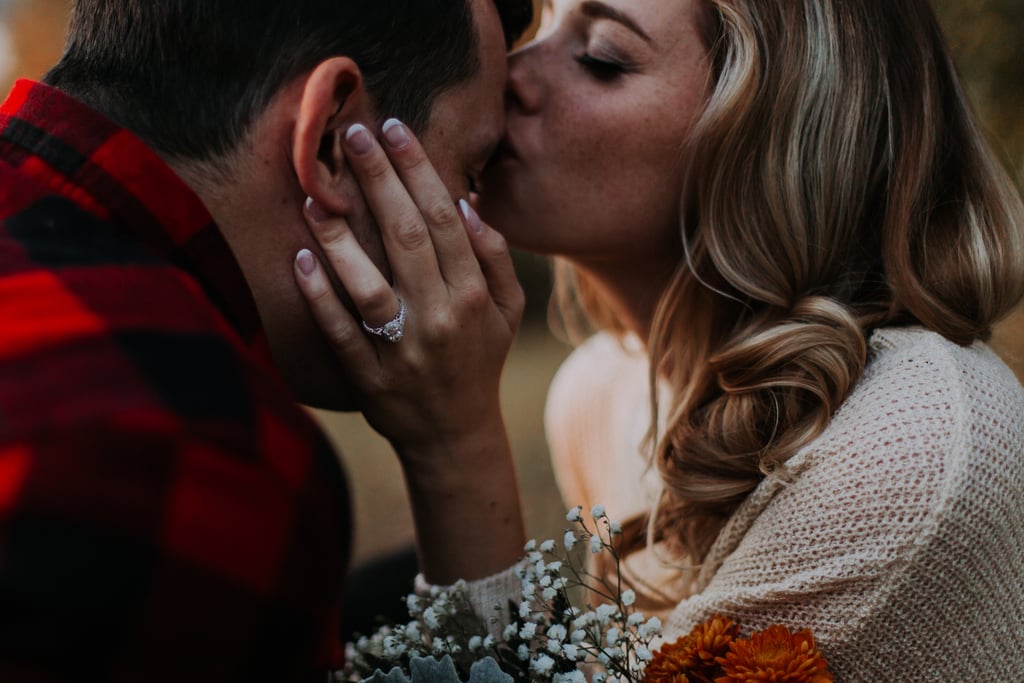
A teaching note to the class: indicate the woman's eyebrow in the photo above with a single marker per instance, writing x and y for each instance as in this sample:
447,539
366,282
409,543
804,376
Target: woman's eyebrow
599,10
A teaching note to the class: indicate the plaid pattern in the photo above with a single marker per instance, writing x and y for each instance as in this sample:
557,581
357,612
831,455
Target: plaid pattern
167,513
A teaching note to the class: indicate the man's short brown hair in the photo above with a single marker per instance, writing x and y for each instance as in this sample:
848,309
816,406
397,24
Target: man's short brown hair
190,76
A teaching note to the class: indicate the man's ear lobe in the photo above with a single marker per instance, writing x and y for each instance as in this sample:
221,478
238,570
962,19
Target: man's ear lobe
333,98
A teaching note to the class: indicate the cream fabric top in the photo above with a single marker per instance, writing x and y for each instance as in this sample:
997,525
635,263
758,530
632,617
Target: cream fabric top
597,418
899,541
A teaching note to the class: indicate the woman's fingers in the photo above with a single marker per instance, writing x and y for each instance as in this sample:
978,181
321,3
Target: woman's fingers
371,294
412,171
496,263
406,237
454,253
343,332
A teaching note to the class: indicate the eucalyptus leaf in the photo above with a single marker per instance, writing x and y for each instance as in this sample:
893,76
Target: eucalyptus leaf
432,670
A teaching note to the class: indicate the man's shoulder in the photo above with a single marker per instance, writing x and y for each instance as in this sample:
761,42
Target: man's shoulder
61,264
97,326
55,226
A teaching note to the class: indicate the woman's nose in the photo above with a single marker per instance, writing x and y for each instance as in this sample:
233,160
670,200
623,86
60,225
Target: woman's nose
524,91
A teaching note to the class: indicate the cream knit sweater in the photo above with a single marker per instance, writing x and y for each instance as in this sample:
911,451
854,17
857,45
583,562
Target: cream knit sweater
899,541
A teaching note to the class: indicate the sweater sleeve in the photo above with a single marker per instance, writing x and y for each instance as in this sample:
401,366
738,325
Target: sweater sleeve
488,597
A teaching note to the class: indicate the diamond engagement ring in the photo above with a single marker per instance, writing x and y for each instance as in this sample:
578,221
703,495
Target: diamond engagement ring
392,331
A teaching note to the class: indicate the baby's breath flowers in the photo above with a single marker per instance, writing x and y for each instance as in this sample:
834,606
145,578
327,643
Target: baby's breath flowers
442,624
546,637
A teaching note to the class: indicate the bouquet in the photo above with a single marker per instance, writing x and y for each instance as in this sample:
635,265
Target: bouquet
545,636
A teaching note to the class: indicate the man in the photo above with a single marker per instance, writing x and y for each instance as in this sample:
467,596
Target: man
166,511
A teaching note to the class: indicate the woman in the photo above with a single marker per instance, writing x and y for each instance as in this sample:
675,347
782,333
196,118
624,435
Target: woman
788,208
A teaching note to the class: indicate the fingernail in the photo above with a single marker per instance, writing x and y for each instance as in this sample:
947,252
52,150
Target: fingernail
358,139
396,134
306,262
471,216
317,213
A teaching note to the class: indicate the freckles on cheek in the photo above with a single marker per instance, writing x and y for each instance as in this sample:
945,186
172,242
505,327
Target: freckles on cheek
605,160
606,131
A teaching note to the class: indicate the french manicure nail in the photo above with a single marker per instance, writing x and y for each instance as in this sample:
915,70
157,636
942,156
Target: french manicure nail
306,262
471,216
396,134
358,139
316,212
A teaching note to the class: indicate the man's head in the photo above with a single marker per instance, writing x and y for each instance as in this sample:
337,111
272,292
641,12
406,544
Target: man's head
246,98
190,77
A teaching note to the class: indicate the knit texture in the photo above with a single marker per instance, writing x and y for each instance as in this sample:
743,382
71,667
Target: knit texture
898,538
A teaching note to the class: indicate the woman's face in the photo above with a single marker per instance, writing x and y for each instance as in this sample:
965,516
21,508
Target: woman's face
599,107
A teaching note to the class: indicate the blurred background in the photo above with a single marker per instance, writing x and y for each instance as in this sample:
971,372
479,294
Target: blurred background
988,39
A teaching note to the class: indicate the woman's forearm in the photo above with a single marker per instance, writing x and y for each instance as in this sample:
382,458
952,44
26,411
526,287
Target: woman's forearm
466,506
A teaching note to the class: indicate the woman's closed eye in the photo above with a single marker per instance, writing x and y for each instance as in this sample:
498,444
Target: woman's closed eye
603,69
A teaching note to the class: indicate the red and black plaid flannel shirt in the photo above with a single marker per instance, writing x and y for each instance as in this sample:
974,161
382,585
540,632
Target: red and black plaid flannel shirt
167,513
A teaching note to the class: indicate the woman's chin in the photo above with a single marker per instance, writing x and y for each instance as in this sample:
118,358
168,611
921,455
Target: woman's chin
516,213
500,212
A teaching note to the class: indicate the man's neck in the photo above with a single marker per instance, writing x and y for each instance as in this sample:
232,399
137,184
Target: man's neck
258,213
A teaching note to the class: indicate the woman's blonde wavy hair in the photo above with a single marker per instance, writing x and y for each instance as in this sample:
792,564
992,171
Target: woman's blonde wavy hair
838,182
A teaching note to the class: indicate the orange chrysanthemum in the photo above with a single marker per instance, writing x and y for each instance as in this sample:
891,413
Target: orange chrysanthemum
774,655
692,658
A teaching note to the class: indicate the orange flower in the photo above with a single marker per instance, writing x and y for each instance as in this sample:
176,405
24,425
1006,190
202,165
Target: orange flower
692,658
774,656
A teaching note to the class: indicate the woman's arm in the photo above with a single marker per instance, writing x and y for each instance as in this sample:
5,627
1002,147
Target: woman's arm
433,394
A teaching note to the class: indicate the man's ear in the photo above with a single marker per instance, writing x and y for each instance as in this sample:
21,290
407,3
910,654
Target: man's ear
334,97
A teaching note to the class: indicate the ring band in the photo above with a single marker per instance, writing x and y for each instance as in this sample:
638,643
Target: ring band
394,330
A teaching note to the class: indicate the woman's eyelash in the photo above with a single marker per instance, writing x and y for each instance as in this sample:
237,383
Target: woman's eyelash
602,69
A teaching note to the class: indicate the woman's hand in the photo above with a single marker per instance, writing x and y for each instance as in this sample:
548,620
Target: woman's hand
435,393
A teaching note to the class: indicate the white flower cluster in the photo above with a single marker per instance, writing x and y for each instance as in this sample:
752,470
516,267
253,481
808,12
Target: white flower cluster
442,623
547,637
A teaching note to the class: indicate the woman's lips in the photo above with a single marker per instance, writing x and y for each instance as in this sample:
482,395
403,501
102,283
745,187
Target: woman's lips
504,151
503,154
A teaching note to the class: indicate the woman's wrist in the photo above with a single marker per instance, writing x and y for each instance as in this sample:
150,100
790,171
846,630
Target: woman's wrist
466,507
450,457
